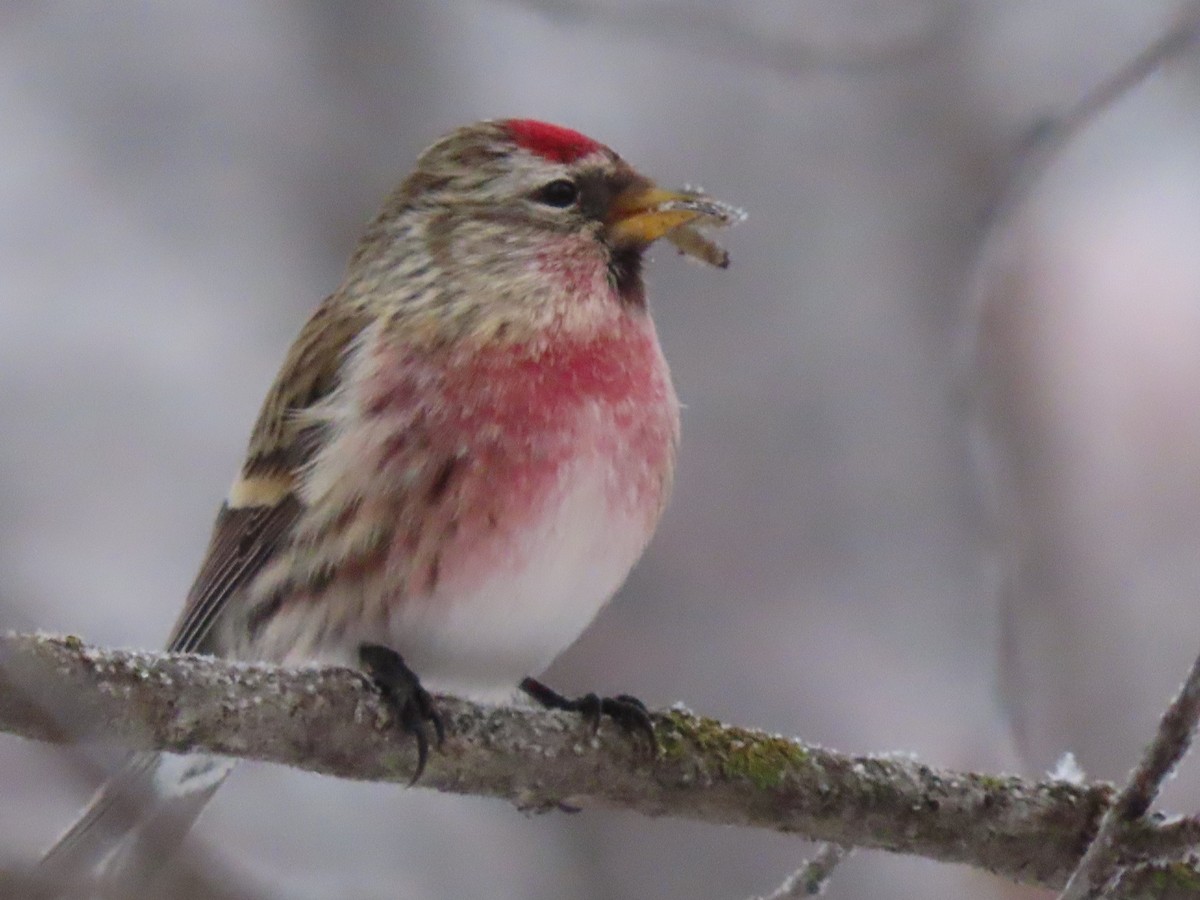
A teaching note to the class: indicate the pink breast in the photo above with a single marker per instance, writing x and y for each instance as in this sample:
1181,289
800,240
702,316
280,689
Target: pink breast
507,428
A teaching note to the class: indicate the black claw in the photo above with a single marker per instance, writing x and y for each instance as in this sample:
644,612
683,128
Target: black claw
627,712
632,701
590,707
402,691
630,713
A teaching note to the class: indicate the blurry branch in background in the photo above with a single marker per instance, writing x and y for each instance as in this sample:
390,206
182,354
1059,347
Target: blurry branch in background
330,721
1101,870
714,31
1101,864
811,878
1048,137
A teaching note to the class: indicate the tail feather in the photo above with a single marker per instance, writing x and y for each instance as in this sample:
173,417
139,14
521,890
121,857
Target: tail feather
135,821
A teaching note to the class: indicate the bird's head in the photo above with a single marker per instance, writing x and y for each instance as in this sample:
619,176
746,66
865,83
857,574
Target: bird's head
516,222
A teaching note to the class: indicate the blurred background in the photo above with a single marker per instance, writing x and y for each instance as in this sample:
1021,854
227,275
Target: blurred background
937,494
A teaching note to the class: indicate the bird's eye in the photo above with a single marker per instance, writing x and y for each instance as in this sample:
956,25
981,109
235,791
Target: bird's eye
561,193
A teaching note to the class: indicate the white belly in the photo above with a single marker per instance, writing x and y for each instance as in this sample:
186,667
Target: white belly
481,640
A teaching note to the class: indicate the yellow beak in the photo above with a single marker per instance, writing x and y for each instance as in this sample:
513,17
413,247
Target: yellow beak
643,213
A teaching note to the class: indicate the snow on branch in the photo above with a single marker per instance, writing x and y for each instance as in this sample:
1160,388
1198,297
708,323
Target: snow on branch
331,721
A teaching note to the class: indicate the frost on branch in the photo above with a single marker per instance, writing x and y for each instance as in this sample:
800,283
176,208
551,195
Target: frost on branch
329,721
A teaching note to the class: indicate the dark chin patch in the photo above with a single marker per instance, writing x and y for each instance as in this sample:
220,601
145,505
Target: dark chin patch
625,269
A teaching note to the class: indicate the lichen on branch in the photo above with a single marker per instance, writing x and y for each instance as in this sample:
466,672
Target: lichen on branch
331,721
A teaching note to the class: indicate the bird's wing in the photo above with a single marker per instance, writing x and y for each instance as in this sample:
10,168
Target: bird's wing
263,505
243,540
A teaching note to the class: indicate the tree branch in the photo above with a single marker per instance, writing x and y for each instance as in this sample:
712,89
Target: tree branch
811,879
330,721
1100,865
1047,138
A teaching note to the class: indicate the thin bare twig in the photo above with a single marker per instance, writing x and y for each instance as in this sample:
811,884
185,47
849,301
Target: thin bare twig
1100,865
1046,139
812,877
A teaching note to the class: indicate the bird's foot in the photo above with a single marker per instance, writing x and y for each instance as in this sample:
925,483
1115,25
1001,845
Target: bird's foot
629,713
402,691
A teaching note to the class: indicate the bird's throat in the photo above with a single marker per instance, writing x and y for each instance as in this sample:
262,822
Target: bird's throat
625,269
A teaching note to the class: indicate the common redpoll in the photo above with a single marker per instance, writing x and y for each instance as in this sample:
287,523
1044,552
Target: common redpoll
466,450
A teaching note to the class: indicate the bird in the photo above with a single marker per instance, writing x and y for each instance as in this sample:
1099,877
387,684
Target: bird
467,448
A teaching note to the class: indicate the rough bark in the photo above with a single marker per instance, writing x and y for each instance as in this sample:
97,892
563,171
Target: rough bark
331,721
